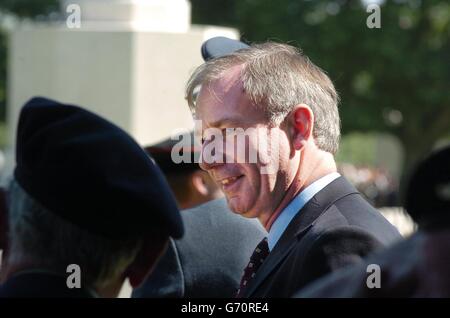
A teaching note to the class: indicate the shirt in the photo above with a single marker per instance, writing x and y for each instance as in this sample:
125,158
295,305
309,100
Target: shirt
294,207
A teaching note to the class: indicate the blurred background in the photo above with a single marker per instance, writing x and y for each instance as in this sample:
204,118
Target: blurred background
129,61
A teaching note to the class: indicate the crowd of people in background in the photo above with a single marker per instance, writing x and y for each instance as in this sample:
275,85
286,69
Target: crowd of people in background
375,183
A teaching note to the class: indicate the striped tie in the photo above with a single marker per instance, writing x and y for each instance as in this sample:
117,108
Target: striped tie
259,255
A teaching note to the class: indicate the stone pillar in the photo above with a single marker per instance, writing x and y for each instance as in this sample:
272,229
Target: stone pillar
129,61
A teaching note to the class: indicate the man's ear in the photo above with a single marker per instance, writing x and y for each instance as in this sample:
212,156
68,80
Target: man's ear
152,249
301,123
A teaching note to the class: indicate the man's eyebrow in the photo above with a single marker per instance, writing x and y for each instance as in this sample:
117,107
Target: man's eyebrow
223,121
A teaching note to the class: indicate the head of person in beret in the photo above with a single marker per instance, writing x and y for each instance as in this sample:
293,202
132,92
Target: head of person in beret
85,193
191,185
427,197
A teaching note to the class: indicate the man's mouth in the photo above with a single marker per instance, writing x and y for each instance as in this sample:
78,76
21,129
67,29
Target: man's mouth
228,182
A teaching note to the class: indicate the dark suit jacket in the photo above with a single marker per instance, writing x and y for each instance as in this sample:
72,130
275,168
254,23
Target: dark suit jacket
209,260
40,285
337,227
417,267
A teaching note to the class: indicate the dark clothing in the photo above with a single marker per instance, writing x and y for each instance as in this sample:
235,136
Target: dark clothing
337,227
40,285
210,259
417,267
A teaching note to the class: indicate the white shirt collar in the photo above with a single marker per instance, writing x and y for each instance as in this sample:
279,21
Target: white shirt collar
291,210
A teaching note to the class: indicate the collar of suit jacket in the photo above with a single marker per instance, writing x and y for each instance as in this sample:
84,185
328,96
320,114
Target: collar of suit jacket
302,222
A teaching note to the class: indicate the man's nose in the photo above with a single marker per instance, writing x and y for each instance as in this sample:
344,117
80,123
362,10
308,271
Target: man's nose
211,156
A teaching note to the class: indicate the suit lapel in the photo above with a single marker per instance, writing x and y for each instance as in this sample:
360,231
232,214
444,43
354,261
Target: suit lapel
299,226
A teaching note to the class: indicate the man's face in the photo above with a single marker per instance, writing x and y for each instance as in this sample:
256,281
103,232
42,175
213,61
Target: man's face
252,187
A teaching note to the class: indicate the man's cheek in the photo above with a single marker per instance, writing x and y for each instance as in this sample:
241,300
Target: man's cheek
210,173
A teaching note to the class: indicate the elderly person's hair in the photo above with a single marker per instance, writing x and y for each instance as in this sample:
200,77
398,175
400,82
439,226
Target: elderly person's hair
277,77
46,241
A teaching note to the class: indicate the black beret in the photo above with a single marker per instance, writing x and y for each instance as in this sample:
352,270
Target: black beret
91,173
219,46
184,147
428,192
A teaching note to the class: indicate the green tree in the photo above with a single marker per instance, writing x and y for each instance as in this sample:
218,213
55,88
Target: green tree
22,9
29,8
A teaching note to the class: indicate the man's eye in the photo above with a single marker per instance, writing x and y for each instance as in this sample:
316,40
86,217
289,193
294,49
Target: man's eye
206,139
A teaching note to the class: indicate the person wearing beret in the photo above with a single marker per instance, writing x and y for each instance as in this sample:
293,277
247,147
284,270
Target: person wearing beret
208,260
317,222
87,207
416,267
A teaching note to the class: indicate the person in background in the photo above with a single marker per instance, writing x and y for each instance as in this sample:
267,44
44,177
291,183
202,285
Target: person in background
87,207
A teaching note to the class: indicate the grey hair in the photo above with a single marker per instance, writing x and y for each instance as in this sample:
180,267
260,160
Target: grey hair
43,239
278,77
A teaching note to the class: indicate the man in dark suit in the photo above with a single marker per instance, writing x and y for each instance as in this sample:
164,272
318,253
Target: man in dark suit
208,260
417,267
270,128
87,207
